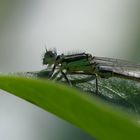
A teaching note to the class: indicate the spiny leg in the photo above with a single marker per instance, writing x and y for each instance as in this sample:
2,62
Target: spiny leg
53,69
96,81
66,78
54,75
55,64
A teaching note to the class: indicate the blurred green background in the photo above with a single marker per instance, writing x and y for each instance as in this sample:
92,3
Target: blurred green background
108,28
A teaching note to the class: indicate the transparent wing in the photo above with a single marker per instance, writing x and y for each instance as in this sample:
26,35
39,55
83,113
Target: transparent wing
119,67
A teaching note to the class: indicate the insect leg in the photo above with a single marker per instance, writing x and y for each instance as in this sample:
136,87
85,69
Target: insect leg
54,74
54,67
66,78
96,83
96,78
52,71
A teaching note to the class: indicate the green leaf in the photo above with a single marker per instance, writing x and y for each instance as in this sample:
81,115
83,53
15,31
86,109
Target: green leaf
89,113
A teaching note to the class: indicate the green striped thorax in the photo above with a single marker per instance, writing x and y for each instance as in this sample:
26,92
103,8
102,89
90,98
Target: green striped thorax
78,64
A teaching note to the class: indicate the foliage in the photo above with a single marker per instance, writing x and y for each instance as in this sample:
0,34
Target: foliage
87,112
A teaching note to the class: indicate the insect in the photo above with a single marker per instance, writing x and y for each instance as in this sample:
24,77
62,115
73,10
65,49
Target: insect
84,63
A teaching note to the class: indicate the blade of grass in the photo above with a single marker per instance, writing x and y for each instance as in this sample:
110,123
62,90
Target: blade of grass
91,115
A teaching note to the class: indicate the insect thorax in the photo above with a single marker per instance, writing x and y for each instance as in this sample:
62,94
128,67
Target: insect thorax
76,63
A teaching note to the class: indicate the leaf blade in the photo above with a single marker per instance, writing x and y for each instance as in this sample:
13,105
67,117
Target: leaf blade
94,117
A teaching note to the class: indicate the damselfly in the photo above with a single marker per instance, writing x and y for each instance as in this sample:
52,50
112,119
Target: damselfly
86,64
